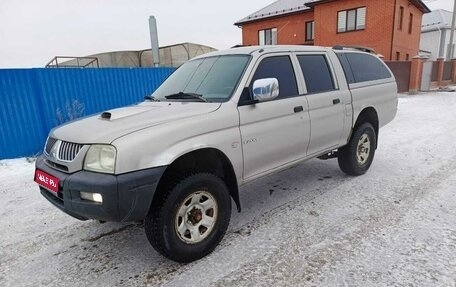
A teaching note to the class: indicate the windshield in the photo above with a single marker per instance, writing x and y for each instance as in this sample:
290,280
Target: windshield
213,79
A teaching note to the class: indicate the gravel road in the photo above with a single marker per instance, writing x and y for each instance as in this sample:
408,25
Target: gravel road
310,225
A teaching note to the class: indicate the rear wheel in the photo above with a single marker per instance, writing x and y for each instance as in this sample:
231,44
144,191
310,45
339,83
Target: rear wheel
189,220
356,157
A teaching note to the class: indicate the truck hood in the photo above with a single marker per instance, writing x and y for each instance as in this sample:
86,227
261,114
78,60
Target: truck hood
110,125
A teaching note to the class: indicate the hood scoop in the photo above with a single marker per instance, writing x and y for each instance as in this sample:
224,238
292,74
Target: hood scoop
126,112
106,115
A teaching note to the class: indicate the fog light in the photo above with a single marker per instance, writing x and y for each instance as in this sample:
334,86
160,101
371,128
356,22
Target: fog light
95,197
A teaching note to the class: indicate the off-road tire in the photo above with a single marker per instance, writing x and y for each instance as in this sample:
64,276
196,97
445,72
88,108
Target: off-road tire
160,222
348,155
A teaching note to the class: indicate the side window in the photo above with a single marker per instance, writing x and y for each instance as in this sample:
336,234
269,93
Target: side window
281,68
316,73
366,67
346,67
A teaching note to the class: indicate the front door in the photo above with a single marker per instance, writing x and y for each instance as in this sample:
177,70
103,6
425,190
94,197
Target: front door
277,132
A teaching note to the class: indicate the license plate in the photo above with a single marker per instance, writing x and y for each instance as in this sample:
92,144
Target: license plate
48,181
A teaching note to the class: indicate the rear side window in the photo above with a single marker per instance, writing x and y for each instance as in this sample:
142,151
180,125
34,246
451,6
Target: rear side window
365,67
316,73
278,67
346,67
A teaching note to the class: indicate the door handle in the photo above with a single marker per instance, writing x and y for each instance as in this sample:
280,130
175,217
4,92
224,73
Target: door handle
298,109
336,101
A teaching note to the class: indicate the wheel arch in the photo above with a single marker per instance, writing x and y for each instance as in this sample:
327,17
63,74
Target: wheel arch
369,115
206,159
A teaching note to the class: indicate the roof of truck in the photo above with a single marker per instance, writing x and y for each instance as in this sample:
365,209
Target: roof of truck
248,50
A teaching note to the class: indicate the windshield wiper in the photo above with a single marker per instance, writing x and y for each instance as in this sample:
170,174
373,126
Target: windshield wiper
182,95
150,98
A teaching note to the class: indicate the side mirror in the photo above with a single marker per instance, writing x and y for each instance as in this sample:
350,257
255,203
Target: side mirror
265,89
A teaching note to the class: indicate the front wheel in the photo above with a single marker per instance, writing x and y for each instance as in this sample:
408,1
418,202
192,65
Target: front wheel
356,157
189,220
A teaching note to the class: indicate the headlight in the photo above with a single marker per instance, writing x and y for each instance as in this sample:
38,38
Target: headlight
100,158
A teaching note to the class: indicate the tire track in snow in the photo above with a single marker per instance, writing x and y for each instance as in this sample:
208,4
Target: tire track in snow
321,251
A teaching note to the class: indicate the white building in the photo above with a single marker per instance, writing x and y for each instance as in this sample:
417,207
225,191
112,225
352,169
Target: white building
435,34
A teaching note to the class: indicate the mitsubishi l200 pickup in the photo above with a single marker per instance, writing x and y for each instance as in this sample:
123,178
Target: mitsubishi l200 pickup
221,120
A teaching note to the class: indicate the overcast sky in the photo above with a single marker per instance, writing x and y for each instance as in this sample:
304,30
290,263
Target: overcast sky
32,32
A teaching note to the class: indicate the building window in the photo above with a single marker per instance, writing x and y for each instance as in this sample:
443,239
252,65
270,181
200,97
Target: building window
310,30
410,28
398,56
351,20
401,17
267,37
407,57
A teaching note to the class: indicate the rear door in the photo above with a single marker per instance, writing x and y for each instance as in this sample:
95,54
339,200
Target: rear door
326,100
277,132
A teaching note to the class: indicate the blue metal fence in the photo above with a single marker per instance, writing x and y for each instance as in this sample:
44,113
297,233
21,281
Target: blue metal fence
33,101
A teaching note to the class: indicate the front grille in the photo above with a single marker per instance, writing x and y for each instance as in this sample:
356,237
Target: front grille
68,151
49,144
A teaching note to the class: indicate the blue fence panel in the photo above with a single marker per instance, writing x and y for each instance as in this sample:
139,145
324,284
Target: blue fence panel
33,101
22,128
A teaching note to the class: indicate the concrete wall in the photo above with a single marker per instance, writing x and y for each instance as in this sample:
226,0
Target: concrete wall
437,42
446,34
430,41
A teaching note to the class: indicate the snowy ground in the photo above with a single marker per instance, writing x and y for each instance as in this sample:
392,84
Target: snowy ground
308,226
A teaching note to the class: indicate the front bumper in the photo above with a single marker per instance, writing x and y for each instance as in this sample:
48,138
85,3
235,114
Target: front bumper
126,197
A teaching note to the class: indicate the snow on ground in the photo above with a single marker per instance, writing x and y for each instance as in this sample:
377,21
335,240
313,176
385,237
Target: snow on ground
308,226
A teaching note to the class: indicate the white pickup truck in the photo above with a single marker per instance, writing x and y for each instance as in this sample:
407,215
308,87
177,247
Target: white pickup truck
221,120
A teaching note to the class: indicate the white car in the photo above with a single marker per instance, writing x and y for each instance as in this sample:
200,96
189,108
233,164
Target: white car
221,120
